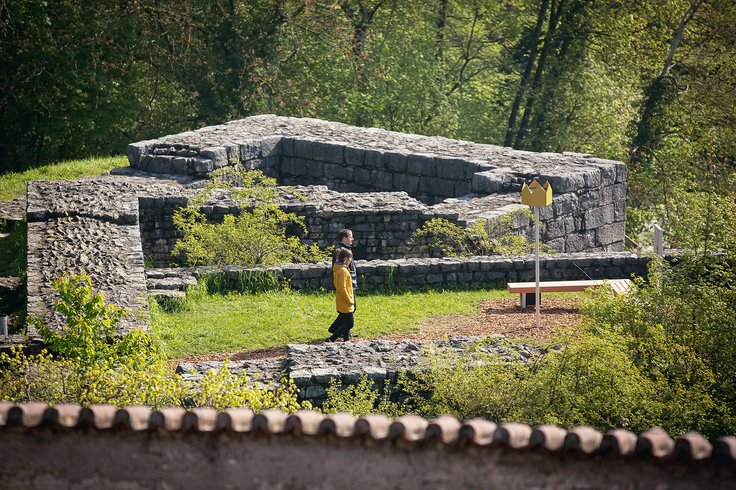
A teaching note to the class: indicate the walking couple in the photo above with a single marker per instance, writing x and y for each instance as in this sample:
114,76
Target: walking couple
345,280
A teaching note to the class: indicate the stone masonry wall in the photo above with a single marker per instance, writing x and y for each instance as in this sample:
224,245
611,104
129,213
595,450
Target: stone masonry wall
417,273
588,212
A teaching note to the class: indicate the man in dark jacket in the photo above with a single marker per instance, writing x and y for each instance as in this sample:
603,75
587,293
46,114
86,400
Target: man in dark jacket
345,240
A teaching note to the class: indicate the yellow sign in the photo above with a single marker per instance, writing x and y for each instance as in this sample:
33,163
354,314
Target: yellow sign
536,195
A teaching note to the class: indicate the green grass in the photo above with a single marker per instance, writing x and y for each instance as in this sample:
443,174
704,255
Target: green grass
13,184
13,252
237,322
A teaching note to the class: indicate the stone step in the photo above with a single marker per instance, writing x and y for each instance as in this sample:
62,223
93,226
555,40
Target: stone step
167,293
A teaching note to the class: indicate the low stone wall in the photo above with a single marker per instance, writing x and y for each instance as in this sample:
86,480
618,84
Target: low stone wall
315,367
418,273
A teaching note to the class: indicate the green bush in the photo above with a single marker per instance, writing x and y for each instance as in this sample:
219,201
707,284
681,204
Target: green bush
360,399
90,365
480,238
261,232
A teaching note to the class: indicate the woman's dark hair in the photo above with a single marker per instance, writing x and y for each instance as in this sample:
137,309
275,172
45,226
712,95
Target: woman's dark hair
343,254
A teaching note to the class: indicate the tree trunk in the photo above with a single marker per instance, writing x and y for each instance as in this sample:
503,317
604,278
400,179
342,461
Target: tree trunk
533,48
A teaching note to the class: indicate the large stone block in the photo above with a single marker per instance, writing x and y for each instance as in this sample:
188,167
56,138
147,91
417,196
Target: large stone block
608,234
406,183
328,152
354,156
382,180
564,183
489,182
422,165
395,161
564,204
578,242
217,154
598,217
373,159
450,168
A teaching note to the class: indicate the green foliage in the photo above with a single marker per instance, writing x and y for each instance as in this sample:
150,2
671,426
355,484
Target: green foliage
360,399
90,365
259,234
221,389
13,251
495,238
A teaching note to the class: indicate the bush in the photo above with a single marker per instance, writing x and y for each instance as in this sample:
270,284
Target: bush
256,235
498,238
91,365
361,399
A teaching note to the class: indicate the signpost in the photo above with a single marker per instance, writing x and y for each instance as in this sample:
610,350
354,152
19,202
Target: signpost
536,196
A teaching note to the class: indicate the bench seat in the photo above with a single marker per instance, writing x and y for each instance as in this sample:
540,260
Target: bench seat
524,288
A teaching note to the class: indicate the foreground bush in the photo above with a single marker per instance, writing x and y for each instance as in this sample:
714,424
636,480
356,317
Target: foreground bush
91,365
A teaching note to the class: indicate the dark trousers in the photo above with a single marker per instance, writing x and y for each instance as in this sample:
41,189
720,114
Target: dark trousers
341,326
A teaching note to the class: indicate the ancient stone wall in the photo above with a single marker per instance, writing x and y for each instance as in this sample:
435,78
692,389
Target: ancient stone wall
417,273
466,179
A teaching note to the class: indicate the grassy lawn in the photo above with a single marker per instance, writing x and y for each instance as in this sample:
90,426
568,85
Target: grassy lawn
13,251
13,184
237,322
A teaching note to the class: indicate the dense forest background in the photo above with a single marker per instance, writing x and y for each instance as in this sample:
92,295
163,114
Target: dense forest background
648,82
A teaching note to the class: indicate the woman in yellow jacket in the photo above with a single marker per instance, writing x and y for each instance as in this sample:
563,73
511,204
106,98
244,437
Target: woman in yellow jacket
344,299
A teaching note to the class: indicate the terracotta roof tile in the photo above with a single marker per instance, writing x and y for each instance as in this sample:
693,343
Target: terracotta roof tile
692,446
512,435
270,421
237,419
373,426
724,449
548,437
654,443
584,439
445,429
139,418
448,431
304,422
340,424
410,428
618,442
478,432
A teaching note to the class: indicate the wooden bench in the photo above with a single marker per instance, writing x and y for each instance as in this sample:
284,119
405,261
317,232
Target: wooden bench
526,290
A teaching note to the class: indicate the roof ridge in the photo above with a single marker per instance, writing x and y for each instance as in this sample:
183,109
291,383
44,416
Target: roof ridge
653,444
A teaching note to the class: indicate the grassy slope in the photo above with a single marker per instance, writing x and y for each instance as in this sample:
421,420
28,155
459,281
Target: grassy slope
13,184
236,322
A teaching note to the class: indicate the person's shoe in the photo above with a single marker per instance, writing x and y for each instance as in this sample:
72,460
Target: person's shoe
354,335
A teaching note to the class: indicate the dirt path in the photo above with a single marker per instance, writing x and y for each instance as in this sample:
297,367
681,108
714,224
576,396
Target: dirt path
494,317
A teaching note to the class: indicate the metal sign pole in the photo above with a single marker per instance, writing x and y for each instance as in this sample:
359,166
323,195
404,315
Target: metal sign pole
536,291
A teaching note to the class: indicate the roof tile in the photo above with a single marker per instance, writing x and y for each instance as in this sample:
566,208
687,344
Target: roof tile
237,419
410,428
583,439
270,421
304,422
445,429
724,449
477,431
654,443
512,435
549,437
341,424
374,426
692,446
134,418
618,442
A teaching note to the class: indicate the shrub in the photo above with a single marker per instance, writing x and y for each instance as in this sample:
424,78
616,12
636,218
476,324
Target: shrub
498,238
360,399
92,365
261,232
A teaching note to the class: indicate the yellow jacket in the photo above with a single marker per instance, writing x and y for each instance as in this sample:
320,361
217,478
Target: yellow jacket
343,288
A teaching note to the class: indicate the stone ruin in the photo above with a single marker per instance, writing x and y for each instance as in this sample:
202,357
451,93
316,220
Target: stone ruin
382,184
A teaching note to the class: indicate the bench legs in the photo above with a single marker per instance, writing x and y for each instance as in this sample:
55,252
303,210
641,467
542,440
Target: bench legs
529,299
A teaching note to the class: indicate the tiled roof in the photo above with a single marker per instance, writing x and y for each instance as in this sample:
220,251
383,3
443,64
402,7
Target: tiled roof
654,444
